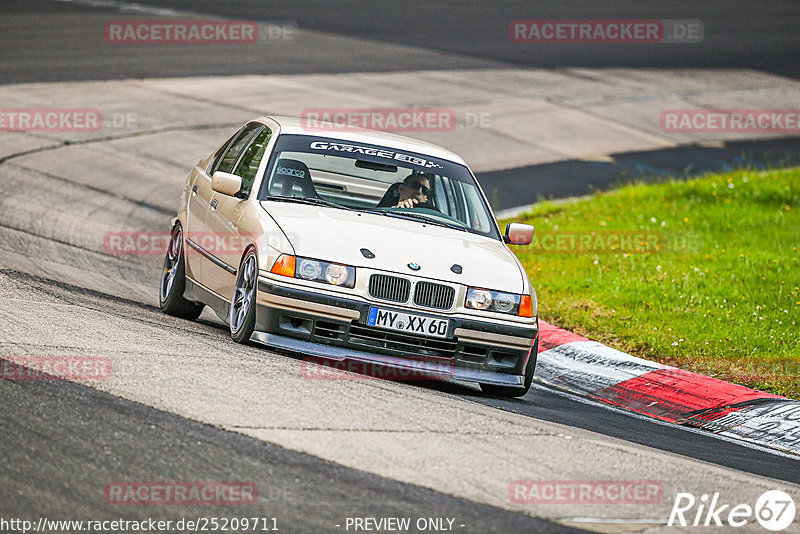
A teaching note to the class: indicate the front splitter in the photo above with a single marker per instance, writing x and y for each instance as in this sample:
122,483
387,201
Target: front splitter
431,370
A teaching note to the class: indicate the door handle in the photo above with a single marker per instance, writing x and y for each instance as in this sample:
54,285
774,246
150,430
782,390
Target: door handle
214,204
194,190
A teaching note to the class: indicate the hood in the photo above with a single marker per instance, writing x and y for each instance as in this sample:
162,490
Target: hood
338,235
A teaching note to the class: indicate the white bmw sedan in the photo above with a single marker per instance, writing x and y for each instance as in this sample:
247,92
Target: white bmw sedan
354,245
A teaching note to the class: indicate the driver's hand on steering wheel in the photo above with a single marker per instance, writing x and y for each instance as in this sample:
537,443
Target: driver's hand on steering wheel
408,203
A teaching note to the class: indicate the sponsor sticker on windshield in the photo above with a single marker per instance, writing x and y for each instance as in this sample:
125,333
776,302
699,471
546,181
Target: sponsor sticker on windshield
370,151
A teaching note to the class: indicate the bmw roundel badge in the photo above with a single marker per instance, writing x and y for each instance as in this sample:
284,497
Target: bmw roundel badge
414,266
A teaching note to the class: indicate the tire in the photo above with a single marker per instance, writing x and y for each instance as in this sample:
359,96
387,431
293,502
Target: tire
510,392
173,281
242,317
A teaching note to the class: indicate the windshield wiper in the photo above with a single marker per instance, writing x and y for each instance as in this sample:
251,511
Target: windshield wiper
307,200
419,217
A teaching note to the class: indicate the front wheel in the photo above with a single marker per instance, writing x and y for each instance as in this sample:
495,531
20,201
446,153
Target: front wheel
173,281
242,318
511,392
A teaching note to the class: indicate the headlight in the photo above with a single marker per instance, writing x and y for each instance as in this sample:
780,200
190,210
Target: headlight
497,301
480,299
504,302
325,272
336,274
309,269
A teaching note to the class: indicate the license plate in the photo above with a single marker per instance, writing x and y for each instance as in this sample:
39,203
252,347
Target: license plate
407,322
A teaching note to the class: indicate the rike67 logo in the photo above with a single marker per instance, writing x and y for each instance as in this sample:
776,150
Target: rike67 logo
774,510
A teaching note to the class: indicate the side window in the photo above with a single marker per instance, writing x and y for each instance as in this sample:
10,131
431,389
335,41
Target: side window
224,148
479,217
459,203
230,154
444,197
251,159
439,196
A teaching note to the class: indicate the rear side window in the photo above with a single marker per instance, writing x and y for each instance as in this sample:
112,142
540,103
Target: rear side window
226,158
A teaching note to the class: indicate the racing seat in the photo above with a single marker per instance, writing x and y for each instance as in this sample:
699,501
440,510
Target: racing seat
390,197
291,175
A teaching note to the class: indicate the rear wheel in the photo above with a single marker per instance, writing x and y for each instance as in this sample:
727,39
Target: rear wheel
510,391
242,318
173,281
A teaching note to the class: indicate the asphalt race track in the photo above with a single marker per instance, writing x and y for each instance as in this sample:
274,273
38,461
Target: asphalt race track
185,403
79,435
445,35
49,40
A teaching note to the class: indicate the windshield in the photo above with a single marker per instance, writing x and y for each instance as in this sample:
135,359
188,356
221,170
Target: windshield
393,182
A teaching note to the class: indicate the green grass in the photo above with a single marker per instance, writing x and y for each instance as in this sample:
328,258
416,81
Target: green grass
719,295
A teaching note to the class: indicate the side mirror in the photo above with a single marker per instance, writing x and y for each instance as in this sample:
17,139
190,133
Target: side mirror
518,234
226,183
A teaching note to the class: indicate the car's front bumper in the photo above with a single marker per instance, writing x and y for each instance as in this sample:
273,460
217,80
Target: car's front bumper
334,327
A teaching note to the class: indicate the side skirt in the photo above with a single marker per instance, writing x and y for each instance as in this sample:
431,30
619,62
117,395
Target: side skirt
198,293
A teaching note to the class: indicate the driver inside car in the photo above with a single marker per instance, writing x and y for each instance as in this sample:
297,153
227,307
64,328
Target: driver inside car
412,192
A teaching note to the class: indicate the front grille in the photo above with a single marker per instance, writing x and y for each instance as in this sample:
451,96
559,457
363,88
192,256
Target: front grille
431,295
410,345
473,354
328,330
391,288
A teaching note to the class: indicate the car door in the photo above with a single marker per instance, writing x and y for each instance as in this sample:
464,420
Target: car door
202,264
225,212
